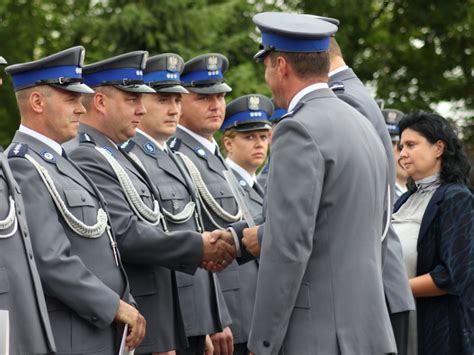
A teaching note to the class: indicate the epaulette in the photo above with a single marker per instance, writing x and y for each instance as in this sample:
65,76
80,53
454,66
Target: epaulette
174,143
85,138
337,86
128,146
18,151
289,114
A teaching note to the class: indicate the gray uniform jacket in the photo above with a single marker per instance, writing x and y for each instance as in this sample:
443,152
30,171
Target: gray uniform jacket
80,278
319,287
396,286
248,271
148,252
21,292
201,300
211,166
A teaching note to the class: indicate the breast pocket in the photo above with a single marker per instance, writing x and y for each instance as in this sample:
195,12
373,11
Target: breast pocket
81,204
173,197
223,195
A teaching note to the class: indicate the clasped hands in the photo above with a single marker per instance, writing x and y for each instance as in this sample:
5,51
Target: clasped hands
218,250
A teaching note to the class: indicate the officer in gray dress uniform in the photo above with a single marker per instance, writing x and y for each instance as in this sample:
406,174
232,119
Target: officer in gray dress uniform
201,300
85,286
319,287
246,137
392,117
150,252
203,111
347,86
21,293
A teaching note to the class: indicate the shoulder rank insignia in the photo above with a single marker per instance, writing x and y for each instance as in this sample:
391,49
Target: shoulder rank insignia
128,146
200,152
337,86
149,148
48,156
174,143
85,138
19,150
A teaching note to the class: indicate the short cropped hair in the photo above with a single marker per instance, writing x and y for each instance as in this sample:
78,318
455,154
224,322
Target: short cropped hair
305,65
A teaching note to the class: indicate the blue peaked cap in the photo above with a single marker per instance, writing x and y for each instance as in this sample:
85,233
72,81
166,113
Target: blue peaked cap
124,72
248,113
62,70
298,33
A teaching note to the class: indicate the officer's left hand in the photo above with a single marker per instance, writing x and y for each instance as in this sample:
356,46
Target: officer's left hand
250,240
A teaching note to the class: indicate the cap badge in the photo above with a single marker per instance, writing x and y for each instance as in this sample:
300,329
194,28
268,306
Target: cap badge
212,62
392,116
172,64
254,103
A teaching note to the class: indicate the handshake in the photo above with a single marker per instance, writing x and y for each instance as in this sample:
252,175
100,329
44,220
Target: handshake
218,250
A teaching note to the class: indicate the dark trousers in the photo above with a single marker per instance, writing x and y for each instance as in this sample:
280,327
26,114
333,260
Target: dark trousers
400,330
241,349
196,346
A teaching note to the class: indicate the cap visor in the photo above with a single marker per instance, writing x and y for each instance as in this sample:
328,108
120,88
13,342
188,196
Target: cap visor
75,87
260,55
177,89
144,89
252,126
211,89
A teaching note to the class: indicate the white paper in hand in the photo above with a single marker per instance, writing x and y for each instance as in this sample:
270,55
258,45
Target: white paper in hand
123,348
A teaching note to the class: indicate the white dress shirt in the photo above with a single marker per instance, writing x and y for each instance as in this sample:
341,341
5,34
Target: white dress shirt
161,146
48,141
209,145
249,179
294,101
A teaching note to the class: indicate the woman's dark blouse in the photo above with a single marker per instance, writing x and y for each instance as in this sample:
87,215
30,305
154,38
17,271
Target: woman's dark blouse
445,251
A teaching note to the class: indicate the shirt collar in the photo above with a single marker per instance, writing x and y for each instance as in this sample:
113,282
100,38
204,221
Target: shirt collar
48,141
337,70
209,145
294,101
249,179
161,146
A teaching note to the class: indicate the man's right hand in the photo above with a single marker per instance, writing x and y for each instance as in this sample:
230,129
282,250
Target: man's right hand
217,253
128,314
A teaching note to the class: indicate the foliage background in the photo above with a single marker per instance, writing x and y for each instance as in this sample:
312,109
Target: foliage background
414,54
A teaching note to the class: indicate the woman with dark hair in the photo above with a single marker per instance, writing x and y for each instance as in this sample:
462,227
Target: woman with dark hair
435,223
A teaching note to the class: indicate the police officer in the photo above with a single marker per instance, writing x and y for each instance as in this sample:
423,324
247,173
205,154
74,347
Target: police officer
201,299
349,88
203,111
21,291
247,131
85,286
392,117
151,253
319,287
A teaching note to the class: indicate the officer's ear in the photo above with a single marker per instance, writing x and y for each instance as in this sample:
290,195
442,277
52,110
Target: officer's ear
227,144
37,101
282,65
99,101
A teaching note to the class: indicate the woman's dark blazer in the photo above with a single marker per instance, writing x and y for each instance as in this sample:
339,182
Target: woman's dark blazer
445,251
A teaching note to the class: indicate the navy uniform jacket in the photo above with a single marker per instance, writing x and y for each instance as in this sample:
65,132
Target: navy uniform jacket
150,254
21,292
395,279
446,251
201,300
80,278
210,166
